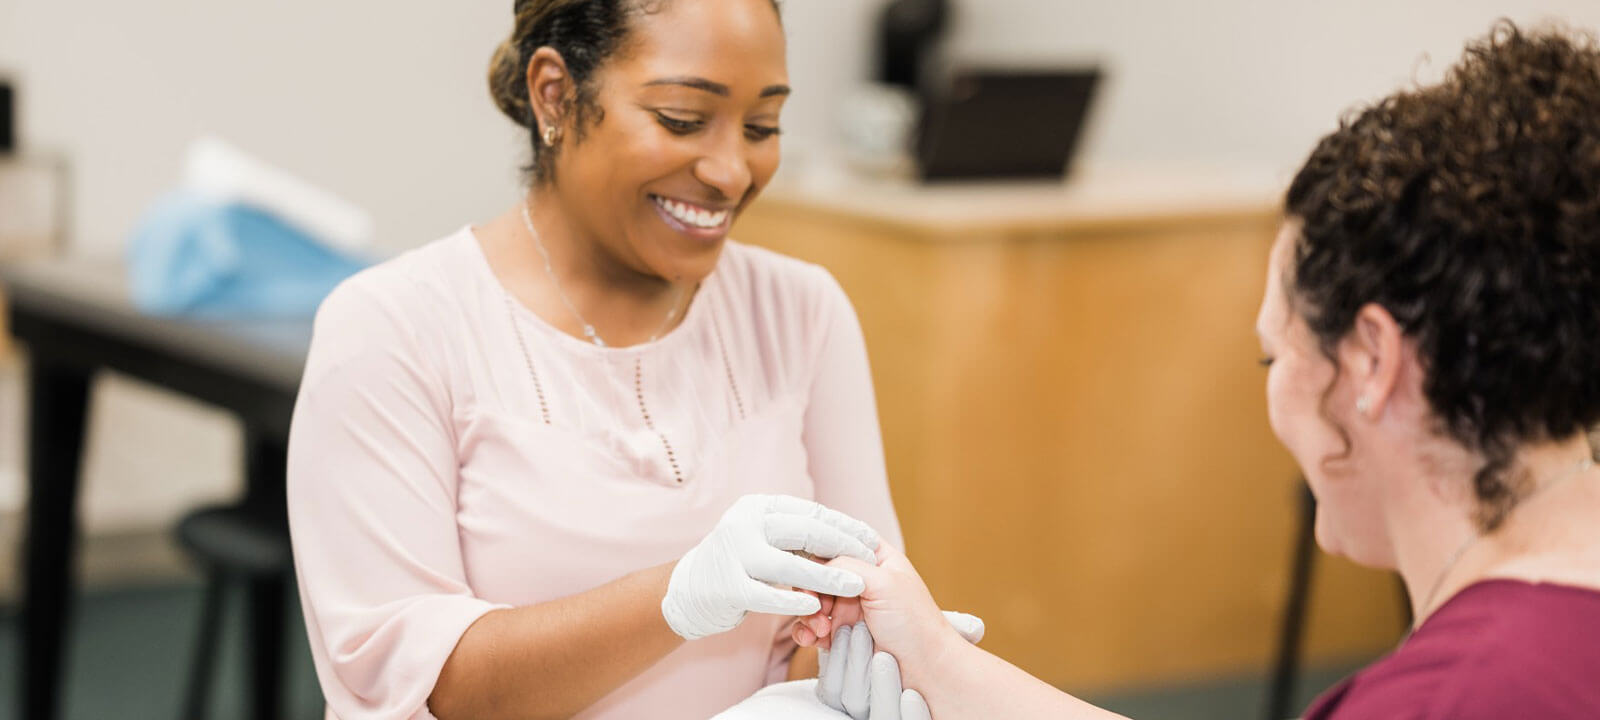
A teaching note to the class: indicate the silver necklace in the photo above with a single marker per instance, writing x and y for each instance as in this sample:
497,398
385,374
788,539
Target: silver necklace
1422,610
588,328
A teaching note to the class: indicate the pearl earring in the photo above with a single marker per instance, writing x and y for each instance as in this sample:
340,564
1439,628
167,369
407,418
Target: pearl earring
1363,404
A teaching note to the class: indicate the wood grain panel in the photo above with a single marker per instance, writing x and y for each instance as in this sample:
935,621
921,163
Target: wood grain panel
1076,434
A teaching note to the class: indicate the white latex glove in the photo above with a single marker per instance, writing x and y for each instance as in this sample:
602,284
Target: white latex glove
735,569
862,684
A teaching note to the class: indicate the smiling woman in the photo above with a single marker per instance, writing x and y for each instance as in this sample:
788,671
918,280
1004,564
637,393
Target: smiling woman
657,151
533,458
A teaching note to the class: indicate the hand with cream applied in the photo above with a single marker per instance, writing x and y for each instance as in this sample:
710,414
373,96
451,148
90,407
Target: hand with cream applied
735,569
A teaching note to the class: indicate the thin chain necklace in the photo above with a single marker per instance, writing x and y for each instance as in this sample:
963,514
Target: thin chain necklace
588,328
1427,603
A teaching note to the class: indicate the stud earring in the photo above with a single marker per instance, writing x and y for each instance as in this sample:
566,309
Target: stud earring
551,135
1363,404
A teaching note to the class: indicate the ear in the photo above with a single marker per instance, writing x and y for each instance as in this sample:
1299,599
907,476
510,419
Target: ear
1374,354
549,86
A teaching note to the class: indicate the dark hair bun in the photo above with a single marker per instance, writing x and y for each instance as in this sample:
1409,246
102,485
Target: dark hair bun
508,85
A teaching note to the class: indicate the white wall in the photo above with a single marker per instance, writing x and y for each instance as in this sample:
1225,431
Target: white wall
382,102
1237,83
385,103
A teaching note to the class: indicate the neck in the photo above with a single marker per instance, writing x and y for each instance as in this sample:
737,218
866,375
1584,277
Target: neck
1439,549
584,262
625,304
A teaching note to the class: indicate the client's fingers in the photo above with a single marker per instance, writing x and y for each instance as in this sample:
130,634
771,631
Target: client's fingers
804,637
885,672
847,611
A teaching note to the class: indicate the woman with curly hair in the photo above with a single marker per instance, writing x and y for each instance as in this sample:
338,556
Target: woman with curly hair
1431,325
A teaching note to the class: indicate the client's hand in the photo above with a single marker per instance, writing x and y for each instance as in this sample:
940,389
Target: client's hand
855,680
896,606
733,571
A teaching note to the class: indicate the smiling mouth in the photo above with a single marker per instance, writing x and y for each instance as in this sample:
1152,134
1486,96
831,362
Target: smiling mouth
692,215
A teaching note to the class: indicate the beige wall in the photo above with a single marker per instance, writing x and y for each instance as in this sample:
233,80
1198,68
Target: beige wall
384,103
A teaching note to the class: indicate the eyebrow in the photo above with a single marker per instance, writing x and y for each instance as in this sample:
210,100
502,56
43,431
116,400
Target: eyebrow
716,88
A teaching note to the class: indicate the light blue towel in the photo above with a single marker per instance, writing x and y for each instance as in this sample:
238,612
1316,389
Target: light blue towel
194,256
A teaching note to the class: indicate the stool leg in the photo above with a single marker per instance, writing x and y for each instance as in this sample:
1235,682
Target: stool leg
1287,670
267,607
201,672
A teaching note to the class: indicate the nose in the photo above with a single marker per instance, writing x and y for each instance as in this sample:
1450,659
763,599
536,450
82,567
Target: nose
725,167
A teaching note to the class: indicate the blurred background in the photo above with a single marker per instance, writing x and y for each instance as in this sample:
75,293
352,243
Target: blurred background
1066,366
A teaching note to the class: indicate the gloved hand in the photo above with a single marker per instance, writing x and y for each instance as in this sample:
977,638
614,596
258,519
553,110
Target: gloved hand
735,569
862,684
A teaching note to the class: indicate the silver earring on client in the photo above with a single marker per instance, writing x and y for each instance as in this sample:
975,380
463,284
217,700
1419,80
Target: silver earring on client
1363,404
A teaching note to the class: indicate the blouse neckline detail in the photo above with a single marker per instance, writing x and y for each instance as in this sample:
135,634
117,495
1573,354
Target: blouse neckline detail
694,317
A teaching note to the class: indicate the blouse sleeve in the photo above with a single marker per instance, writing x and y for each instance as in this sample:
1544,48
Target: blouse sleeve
371,483
844,447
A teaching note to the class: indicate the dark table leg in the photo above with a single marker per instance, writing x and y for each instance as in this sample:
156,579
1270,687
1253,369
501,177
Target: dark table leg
265,464
56,411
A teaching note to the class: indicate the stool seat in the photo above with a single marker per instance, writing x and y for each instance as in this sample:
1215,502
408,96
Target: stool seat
245,545
232,540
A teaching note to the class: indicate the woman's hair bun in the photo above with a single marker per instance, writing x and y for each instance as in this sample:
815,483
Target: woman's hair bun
507,84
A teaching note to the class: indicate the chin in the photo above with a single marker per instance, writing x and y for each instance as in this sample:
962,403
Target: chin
694,268
1337,541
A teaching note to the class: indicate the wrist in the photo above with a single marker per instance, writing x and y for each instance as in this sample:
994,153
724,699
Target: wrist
935,657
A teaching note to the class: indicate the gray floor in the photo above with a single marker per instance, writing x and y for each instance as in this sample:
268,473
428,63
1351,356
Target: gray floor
130,652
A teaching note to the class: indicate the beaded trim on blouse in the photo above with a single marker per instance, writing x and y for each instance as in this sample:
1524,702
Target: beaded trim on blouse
638,384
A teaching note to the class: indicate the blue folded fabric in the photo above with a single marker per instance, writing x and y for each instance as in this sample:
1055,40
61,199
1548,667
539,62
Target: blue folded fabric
195,256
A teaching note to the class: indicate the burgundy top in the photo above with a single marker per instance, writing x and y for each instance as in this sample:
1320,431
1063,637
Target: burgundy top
1498,650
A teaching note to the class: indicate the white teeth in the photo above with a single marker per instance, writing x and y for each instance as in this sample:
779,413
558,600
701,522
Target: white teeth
691,215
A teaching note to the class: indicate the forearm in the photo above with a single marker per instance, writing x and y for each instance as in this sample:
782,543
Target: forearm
554,659
962,681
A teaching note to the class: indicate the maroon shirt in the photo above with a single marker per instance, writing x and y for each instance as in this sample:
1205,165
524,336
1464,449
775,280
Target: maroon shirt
1498,650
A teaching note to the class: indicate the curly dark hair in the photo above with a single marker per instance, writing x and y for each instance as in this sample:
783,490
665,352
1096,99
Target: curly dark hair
1470,211
586,33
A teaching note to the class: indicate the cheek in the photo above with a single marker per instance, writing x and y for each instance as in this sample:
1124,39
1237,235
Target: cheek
764,161
1283,412
1294,400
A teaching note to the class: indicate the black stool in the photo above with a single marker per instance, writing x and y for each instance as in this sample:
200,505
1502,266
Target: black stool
245,546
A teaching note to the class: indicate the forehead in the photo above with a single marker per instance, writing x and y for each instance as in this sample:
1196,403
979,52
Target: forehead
733,42
1274,306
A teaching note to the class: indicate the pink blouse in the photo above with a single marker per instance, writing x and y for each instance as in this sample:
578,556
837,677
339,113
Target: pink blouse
452,453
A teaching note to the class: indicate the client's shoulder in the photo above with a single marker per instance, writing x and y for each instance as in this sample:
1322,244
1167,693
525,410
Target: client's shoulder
1498,649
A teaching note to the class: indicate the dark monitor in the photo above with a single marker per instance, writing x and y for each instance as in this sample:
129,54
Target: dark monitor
993,124
8,121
